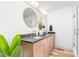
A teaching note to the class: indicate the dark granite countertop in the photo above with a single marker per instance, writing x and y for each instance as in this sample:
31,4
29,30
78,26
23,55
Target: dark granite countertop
32,39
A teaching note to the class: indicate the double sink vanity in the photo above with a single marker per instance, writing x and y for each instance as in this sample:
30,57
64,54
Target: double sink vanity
32,45
35,46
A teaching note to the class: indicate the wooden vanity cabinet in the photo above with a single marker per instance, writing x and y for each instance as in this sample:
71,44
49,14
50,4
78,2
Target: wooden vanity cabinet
40,48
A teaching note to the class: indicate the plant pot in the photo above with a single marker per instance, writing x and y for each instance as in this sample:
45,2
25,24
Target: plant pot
40,33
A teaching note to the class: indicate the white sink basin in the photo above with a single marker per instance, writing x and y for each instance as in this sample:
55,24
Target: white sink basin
37,37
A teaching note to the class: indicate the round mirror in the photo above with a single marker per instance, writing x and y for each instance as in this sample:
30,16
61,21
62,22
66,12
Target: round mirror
30,17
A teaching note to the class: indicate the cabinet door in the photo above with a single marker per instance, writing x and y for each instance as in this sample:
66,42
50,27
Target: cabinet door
51,41
46,47
39,52
27,49
38,49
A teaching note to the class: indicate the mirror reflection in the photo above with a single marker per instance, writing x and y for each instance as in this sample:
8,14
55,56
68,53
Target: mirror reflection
30,17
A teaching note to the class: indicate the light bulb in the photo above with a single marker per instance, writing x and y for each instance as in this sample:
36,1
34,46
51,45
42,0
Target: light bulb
43,11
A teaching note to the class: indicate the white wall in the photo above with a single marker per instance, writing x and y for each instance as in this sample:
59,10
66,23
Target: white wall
11,19
61,20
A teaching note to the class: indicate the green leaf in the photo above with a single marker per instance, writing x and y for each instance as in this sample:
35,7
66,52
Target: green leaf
16,42
1,53
16,52
40,25
4,46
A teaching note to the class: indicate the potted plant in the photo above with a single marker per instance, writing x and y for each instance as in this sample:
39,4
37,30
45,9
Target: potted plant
40,26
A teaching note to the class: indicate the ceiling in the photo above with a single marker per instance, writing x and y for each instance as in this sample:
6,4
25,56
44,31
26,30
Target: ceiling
54,5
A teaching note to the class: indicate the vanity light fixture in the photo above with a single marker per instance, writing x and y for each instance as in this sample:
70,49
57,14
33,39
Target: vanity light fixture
43,11
34,3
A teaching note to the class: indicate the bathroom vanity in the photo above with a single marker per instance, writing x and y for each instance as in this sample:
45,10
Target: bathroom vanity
38,46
